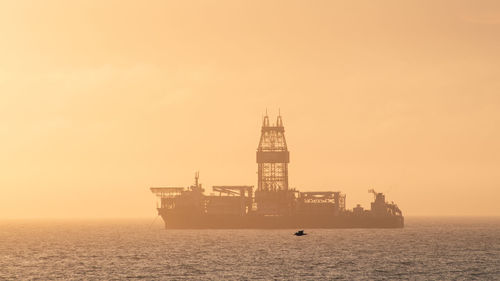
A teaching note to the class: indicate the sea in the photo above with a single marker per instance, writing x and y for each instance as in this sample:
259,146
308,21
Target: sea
427,248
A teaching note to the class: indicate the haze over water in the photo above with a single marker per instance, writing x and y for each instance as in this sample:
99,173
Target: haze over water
426,249
100,100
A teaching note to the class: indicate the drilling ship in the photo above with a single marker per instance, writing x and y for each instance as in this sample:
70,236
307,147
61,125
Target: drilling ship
273,205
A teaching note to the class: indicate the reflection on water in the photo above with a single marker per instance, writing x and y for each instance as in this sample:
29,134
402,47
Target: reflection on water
427,248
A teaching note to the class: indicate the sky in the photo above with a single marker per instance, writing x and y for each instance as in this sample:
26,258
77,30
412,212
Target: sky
100,100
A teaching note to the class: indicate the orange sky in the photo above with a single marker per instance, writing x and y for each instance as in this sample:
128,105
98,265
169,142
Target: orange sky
101,99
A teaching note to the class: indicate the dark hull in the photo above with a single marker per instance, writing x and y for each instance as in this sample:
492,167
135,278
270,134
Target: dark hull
178,221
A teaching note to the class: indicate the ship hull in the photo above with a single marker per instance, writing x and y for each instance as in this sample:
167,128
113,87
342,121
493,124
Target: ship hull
206,221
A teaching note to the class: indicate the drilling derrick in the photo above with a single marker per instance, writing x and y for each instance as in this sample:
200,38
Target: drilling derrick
273,196
272,157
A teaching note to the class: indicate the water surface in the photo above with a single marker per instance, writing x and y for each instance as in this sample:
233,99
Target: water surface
426,249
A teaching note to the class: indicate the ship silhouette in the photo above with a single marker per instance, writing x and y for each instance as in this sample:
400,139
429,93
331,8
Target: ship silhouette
273,204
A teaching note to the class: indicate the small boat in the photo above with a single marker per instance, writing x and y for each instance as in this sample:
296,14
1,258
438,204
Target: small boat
300,233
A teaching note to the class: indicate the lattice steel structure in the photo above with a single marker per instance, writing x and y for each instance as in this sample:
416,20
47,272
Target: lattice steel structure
272,157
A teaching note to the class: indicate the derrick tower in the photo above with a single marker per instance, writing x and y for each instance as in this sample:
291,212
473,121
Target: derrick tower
273,196
272,157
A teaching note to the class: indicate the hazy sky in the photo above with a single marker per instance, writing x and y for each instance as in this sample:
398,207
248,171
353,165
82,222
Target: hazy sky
99,100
